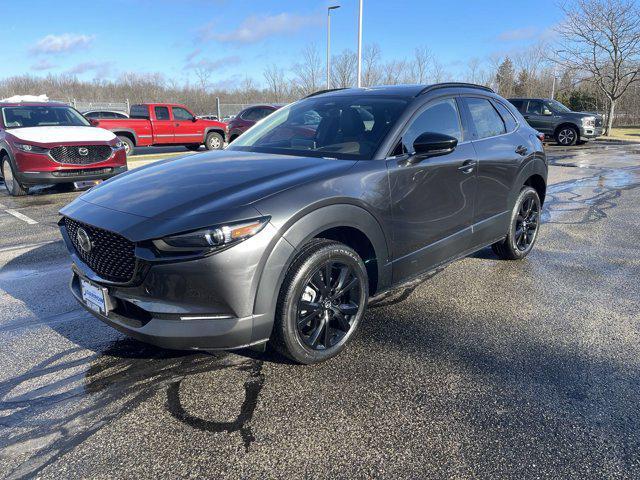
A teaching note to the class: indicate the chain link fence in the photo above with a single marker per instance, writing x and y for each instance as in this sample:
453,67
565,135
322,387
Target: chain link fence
220,110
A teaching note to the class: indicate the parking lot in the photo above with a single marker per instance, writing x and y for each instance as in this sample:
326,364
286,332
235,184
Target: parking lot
490,369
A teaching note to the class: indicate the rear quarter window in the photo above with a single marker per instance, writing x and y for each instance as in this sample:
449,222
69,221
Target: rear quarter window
509,121
139,111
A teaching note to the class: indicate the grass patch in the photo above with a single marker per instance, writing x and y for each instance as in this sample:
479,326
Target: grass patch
632,133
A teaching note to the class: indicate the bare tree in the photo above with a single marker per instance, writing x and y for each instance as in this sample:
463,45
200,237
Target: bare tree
203,74
473,70
343,69
274,76
438,73
602,39
371,71
309,71
420,65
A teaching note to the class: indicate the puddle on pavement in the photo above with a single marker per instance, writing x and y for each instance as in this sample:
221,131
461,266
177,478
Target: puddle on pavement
62,401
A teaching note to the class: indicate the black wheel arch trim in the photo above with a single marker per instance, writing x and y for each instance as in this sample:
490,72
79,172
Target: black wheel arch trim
4,147
213,129
535,166
117,131
297,233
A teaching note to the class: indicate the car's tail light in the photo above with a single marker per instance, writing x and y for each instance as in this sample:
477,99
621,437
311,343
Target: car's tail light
540,136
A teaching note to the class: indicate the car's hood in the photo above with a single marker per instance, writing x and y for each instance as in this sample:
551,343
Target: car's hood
580,115
57,135
213,181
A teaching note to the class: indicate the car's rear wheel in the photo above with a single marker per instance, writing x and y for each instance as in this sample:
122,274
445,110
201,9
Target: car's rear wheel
13,185
321,303
194,148
128,144
524,227
214,141
567,136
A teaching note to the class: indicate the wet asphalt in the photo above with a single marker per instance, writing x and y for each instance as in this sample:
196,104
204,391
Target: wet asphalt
490,369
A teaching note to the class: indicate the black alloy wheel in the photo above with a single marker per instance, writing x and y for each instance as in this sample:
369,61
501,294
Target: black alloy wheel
523,228
321,303
328,305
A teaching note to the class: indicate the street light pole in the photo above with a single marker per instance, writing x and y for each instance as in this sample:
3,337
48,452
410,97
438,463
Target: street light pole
329,44
360,44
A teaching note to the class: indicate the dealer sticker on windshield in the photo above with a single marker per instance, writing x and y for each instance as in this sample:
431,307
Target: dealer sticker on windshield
94,296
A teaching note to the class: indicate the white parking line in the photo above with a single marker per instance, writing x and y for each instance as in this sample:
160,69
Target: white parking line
21,216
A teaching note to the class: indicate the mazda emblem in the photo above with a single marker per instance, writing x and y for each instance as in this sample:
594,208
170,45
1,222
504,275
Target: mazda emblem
84,241
83,151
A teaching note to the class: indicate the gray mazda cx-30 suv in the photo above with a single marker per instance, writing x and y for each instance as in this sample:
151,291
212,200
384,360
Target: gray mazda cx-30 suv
286,234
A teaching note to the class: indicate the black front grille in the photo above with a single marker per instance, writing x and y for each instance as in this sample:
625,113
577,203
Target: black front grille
81,154
111,255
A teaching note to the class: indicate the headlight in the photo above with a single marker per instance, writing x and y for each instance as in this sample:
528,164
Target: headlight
118,144
211,239
30,148
589,121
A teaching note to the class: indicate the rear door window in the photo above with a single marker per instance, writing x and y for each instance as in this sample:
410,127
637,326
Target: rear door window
485,118
139,111
534,107
162,113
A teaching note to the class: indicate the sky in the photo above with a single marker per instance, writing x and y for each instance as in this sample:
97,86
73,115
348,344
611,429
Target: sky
238,38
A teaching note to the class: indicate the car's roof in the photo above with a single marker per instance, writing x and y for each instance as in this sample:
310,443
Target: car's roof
402,91
33,104
104,110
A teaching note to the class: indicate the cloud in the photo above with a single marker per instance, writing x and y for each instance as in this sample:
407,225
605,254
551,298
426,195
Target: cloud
218,64
526,33
65,43
100,69
43,64
193,54
258,27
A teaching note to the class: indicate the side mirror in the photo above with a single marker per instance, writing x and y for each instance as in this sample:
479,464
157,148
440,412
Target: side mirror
93,122
194,119
431,144
547,112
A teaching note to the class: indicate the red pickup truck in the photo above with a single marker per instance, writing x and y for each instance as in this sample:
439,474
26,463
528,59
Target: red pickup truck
164,124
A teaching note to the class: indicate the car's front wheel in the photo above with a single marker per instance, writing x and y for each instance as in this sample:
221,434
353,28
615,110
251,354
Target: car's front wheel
524,227
214,141
13,185
567,136
128,144
321,303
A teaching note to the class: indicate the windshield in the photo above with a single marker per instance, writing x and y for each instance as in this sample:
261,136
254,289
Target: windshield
42,116
557,106
349,128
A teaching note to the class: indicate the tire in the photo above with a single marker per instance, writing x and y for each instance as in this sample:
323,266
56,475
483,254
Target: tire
567,136
128,144
214,141
13,186
233,137
194,148
304,295
525,216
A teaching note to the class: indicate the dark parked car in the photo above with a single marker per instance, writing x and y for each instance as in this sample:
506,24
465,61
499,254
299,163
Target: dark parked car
285,235
557,121
247,118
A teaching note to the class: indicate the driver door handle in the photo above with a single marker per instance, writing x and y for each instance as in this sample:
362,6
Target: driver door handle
467,166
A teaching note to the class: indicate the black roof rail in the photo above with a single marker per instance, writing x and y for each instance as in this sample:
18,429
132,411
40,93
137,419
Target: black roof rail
451,85
320,92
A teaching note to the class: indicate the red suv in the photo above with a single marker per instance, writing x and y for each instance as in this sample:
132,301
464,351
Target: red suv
248,118
53,143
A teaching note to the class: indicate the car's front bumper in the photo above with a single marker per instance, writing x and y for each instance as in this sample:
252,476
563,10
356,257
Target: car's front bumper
178,332
204,303
69,175
590,133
